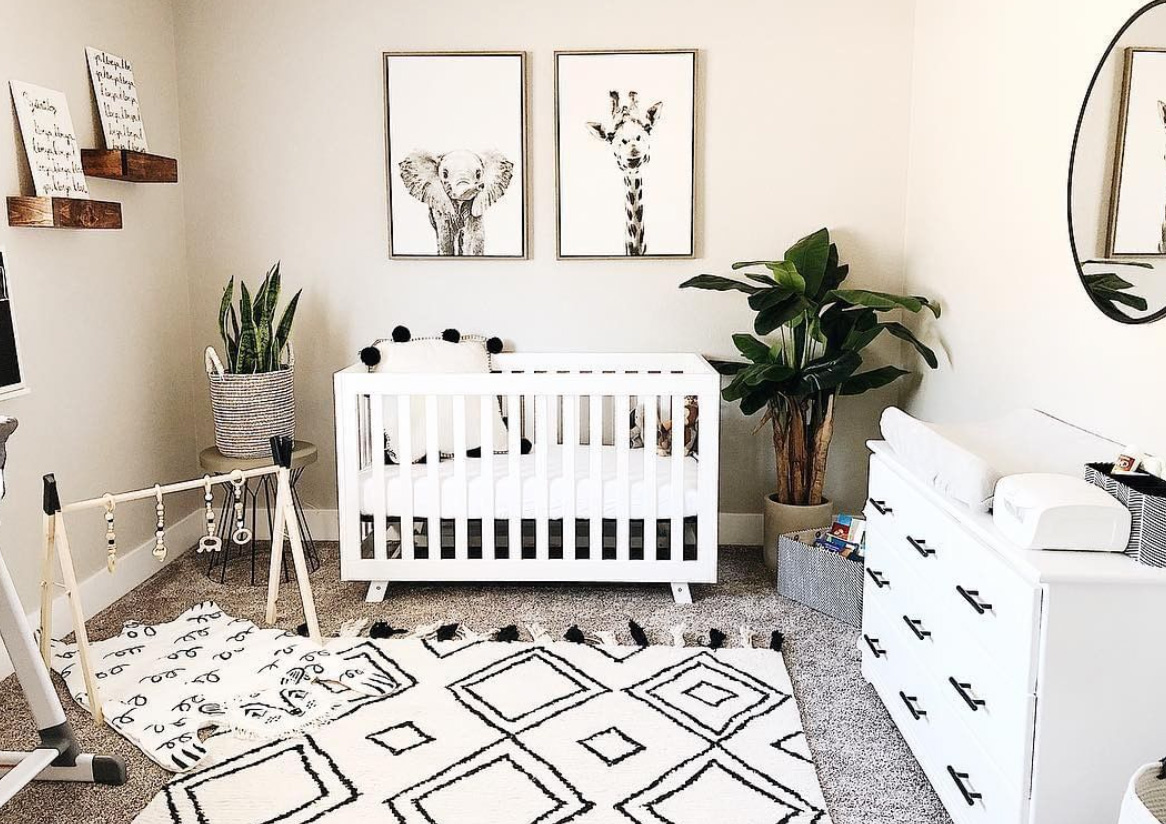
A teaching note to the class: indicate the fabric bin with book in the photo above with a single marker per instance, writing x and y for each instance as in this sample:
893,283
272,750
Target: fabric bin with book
822,569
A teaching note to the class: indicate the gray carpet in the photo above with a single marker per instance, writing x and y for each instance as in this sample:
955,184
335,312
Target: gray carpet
867,773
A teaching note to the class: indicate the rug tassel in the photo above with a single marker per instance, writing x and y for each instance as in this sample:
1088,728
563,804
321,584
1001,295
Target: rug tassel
353,628
507,633
776,639
540,635
422,630
447,632
383,629
677,631
716,639
746,636
302,630
638,634
606,638
575,635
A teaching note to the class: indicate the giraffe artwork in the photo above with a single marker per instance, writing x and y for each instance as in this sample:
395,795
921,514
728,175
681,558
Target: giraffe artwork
625,149
629,133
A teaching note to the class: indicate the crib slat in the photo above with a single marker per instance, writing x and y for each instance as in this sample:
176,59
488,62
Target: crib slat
461,539
570,444
433,468
405,466
622,473
595,453
379,506
651,490
514,420
487,469
677,460
543,440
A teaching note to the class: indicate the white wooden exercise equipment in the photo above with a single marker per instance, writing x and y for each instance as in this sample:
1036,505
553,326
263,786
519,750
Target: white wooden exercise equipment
57,551
59,757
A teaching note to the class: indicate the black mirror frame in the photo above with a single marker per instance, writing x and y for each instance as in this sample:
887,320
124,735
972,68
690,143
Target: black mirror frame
1109,311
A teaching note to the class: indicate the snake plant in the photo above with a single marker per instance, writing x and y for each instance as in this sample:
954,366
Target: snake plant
254,342
821,331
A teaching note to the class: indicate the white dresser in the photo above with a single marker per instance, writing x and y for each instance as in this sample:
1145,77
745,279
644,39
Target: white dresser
1030,685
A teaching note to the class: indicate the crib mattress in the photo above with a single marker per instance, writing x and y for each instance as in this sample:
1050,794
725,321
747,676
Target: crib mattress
451,496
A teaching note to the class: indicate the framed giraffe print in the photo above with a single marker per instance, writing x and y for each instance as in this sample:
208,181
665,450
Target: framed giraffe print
625,153
456,154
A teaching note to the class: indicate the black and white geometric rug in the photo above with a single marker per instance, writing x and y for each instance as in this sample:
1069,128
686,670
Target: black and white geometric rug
487,732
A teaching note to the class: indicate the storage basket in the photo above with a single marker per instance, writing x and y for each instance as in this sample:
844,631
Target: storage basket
251,409
1145,497
1145,801
820,579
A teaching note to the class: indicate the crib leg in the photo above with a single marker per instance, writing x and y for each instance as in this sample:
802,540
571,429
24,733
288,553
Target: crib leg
681,594
376,591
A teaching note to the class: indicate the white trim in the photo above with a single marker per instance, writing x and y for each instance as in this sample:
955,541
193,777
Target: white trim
101,588
735,528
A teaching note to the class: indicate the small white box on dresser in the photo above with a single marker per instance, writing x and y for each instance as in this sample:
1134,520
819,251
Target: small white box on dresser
1027,683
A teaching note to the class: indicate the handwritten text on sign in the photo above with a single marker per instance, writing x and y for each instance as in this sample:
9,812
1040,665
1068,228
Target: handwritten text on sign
49,140
117,101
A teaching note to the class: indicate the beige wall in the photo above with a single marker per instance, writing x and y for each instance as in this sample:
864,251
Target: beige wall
104,317
804,123
990,142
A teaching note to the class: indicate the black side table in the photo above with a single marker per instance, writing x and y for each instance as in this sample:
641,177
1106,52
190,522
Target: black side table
216,463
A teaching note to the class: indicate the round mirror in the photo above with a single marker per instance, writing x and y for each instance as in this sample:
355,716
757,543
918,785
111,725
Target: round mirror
1117,176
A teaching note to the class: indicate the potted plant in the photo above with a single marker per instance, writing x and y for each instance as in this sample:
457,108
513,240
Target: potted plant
814,334
251,392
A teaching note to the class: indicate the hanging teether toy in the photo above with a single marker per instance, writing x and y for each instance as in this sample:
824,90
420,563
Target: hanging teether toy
209,542
110,534
241,535
160,532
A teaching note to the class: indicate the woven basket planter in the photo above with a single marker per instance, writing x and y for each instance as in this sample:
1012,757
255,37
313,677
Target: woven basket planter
1145,800
250,409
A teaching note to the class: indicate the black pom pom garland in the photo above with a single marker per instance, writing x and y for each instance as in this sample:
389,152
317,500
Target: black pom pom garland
370,356
451,336
401,334
494,345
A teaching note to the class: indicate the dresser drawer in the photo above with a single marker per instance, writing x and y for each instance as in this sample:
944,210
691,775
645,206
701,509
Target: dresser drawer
991,604
966,778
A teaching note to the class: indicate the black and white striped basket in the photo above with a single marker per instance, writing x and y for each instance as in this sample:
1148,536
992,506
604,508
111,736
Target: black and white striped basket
820,579
249,410
1145,497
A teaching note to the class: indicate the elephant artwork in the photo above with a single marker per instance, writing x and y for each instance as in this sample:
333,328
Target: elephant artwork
457,187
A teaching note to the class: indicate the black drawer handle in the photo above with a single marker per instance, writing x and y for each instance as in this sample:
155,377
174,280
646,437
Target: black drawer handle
877,577
959,778
920,546
972,596
872,642
916,627
911,701
962,688
881,507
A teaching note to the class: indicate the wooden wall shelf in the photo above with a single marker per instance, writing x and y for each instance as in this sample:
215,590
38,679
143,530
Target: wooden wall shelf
131,167
63,213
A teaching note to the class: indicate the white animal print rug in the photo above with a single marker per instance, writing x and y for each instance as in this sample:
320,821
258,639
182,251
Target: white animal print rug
162,684
486,732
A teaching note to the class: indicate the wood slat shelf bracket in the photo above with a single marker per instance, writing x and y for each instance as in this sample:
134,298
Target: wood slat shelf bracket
63,213
131,167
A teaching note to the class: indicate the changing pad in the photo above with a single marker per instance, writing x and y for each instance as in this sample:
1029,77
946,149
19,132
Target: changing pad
964,461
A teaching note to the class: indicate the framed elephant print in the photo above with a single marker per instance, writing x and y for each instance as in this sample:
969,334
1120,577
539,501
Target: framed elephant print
625,152
456,154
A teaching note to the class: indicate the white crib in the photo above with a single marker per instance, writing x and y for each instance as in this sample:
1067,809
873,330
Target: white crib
581,506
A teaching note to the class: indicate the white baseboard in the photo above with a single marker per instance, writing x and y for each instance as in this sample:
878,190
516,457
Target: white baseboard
736,528
102,588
